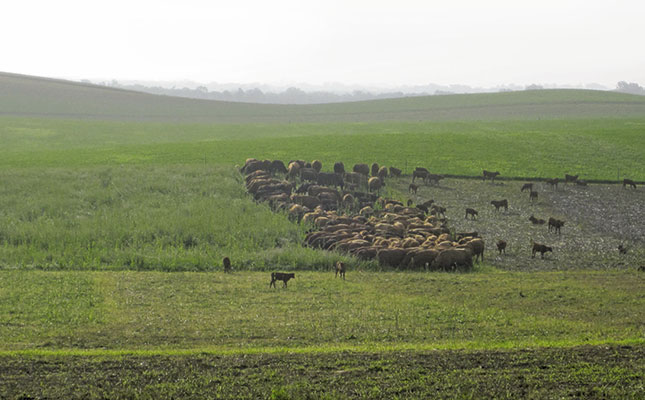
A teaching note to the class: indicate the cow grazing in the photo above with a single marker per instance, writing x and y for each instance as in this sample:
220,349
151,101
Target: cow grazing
555,225
419,174
395,171
553,183
499,204
629,182
434,179
533,196
540,248
281,276
536,221
570,178
472,212
490,175
527,186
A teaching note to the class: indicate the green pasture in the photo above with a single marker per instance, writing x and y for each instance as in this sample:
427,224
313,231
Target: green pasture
156,311
595,149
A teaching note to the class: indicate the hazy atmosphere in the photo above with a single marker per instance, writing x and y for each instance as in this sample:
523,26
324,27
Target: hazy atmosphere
317,42
322,200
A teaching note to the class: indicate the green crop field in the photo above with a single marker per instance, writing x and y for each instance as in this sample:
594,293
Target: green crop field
117,207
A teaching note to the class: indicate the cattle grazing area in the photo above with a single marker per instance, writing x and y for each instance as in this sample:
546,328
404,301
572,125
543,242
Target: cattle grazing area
373,334
136,259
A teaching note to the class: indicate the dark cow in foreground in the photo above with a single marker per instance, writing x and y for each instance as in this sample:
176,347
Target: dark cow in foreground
281,276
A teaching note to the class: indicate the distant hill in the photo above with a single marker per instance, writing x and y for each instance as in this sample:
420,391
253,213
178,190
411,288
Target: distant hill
22,95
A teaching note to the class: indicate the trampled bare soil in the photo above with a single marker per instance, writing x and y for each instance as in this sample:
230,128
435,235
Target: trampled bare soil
598,218
581,372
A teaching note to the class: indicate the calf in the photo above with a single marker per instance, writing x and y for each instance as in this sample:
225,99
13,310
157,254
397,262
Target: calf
555,225
472,212
541,248
500,203
226,262
553,183
527,186
570,178
629,182
437,210
340,269
413,188
533,196
501,246
536,221
490,175
281,276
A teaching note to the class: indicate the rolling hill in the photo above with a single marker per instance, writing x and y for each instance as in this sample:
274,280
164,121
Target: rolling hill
29,96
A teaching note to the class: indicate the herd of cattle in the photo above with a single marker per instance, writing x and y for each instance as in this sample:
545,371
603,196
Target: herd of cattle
348,216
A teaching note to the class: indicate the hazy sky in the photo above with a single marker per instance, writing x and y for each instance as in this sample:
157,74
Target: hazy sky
479,43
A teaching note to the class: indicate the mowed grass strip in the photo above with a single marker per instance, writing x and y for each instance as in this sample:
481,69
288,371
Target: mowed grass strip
217,312
578,372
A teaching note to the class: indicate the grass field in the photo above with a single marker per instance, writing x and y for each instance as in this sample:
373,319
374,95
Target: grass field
104,192
595,149
488,309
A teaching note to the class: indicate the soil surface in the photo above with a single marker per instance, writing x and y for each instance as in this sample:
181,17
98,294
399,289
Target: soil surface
581,372
598,218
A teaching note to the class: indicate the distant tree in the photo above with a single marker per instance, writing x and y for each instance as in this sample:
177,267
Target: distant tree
534,87
630,87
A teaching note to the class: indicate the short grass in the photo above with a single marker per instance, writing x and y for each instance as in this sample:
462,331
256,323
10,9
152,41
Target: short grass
487,309
596,149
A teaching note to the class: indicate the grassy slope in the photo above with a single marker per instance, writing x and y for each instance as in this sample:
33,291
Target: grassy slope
32,96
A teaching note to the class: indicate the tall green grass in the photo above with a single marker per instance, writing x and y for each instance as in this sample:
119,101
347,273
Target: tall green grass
143,217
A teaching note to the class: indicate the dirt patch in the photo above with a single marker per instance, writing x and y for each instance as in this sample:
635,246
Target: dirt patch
597,218
579,372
